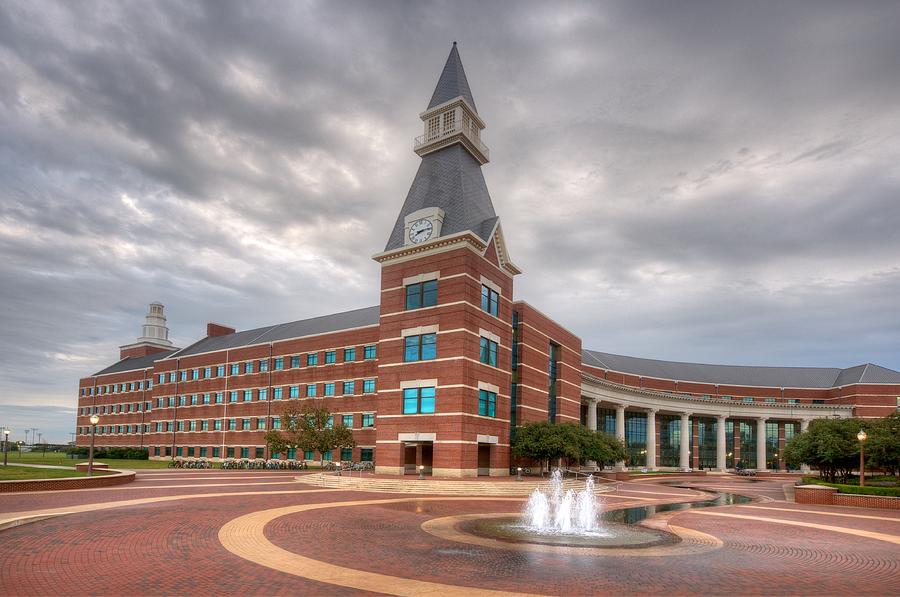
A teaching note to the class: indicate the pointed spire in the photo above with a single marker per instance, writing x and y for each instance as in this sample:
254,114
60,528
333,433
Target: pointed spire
452,83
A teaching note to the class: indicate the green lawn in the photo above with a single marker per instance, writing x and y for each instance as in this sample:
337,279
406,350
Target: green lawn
17,473
62,459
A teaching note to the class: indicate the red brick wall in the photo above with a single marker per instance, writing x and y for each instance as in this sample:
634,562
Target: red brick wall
60,484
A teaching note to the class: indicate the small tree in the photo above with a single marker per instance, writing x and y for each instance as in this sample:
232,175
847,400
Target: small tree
830,445
883,445
544,441
309,428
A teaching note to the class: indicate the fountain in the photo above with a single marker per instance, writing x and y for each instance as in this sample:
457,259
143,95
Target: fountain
551,511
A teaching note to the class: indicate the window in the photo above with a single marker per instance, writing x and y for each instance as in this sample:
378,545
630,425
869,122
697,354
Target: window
248,395
349,354
295,392
312,359
262,394
330,422
205,398
368,420
818,402
220,371
369,352
245,452
171,401
487,403
216,452
329,357
162,379
347,421
245,424
295,361
276,423
488,352
418,401
204,425
184,375
232,424
235,369
190,451
194,401
793,401
770,400
261,423
260,452
349,387
264,365
346,453
420,348
229,452
310,390
180,425
160,403
368,386
489,300
159,427
195,374
276,393
248,367
279,364
329,389
220,397
192,426
207,373
232,396
203,452
326,455
308,455
217,425
422,294
366,454
156,451
171,377
179,450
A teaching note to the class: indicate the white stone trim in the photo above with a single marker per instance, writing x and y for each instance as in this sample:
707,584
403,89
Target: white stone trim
487,439
418,331
426,277
489,335
491,284
417,383
482,385
416,437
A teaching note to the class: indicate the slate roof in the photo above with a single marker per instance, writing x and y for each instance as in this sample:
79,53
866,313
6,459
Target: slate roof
451,179
283,331
788,377
135,363
452,82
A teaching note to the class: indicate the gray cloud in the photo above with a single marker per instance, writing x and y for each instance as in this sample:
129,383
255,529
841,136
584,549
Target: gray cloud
705,181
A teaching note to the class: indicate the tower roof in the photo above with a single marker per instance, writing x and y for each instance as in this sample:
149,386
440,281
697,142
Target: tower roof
452,83
452,180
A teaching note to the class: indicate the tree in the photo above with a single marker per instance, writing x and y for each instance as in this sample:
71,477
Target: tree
309,428
830,445
544,441
883,445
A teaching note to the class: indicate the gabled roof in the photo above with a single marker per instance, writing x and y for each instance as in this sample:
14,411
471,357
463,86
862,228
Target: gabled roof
452,83
779,377
283,331
451,179
135,363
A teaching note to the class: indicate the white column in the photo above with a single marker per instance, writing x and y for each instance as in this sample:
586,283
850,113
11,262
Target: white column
592,425
685,443
804,426
651,439
761,444
721,451
592,415
620,431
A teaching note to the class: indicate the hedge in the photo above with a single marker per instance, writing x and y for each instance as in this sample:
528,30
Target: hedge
843,488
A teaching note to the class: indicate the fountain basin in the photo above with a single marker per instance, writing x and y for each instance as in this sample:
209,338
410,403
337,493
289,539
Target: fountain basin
611,535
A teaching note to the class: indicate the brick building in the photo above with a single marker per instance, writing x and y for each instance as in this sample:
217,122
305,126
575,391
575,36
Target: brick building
449,363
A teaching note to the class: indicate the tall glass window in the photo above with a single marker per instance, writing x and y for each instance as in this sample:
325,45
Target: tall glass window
552,366
418,401
487,403
488,353
420,348
636,438
490,300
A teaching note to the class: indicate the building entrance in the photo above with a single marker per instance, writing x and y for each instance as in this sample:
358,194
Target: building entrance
417,454
484,459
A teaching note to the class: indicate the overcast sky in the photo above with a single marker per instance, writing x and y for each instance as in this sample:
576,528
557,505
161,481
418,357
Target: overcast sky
699,181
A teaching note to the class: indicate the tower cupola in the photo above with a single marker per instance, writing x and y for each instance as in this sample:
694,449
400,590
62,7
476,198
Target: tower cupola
451,116
154,335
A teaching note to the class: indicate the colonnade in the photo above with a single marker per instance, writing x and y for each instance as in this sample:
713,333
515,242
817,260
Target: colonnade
684,446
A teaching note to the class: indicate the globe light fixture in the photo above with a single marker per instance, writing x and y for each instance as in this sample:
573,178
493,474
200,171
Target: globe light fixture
6,433
94,420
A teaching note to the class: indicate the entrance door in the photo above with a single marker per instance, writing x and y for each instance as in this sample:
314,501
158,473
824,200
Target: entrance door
416,454
484,459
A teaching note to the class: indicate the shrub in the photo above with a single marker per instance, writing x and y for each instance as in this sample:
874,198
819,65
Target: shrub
844,488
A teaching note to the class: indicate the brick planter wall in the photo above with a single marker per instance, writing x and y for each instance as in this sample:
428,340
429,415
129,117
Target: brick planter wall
829,496
120,478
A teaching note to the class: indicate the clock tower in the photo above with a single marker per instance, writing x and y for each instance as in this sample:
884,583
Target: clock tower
444,354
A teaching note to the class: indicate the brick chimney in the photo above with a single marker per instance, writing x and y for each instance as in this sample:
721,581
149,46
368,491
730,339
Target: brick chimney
215,329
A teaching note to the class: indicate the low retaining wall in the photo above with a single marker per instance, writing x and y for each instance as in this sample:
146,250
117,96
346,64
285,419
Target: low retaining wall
119,478
627,476
829,496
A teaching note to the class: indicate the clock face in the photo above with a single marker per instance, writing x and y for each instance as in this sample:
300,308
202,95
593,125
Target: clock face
420,231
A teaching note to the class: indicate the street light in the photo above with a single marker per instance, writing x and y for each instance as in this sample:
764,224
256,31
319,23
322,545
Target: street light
862,437
518,473
5,444
421,472
94,420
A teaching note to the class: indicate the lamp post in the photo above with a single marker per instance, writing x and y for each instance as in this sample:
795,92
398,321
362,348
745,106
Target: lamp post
421,472
5,444
862,437
518,473
94,420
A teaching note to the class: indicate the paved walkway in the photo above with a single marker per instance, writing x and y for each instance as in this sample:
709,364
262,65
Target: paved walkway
240,532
